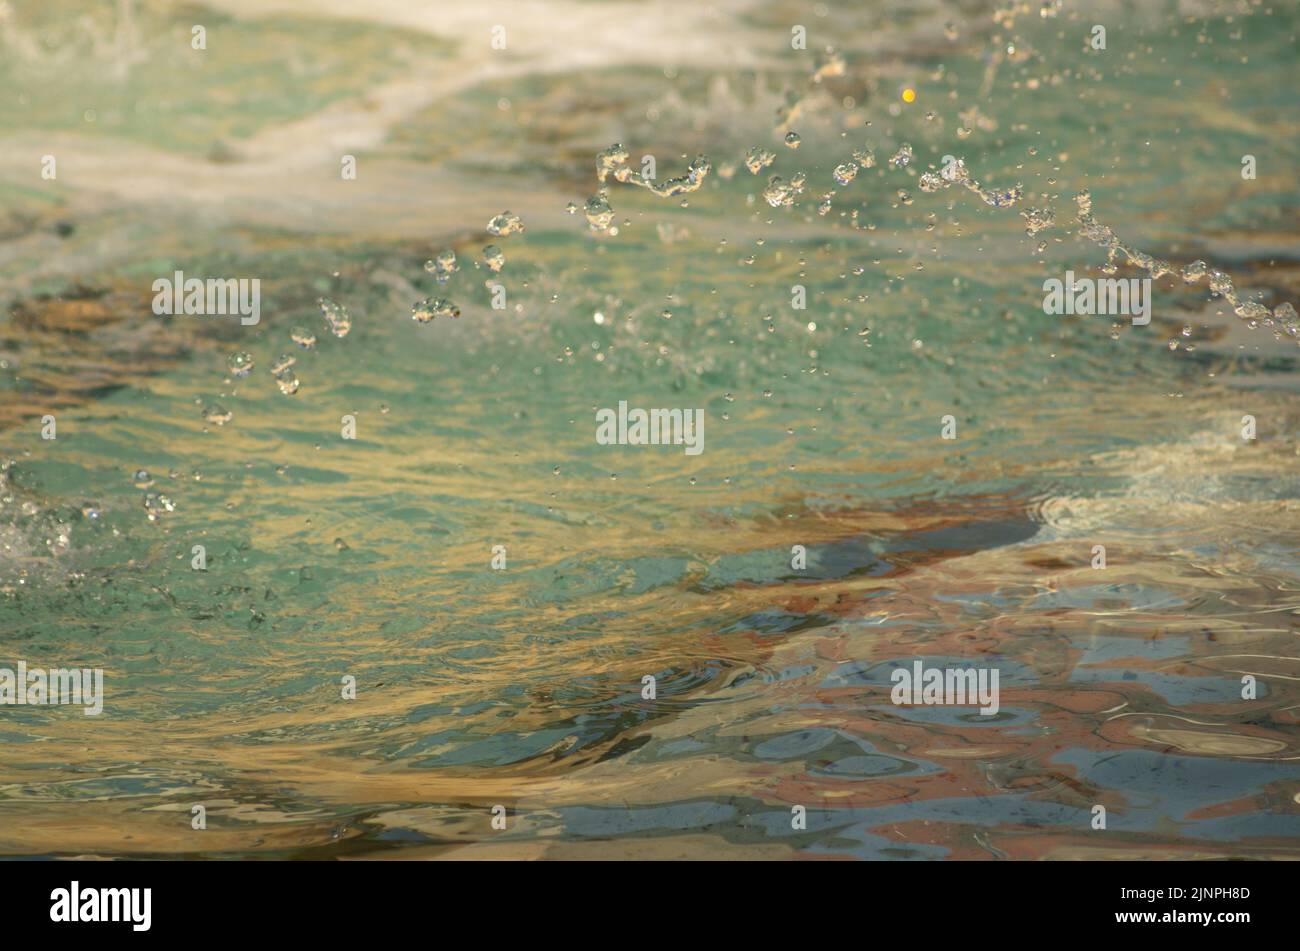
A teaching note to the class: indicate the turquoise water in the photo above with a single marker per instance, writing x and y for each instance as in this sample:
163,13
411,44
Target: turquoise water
371,558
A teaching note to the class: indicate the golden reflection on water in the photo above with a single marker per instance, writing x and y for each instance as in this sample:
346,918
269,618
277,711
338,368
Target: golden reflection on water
1121,686
339,785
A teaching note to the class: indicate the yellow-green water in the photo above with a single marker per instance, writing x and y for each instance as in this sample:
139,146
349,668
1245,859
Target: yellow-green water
371,558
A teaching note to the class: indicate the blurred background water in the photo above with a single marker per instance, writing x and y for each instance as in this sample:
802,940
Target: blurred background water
370,558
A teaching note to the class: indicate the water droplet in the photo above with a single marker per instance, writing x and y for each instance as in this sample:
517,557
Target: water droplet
429,308
902,158
845,173
494,258
443,266
240,363
599,213
504,224
217,414
336,316
156,505
757,159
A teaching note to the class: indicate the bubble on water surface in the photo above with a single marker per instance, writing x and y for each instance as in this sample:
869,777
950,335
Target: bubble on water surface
494,258
303,337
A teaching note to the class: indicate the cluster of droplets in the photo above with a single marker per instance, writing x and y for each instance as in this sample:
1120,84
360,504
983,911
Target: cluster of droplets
902,158
339,322
598,212
217,415
778,193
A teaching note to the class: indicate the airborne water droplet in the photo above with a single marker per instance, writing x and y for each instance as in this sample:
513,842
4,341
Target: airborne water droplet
494,258
599,213
156,505
217,414
429,308
443,266
506,223
757,159
336,316
240,363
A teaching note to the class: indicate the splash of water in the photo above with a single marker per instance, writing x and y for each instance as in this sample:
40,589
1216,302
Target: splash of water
1283,316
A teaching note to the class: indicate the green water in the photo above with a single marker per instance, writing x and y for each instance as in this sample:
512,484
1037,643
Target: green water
371,558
